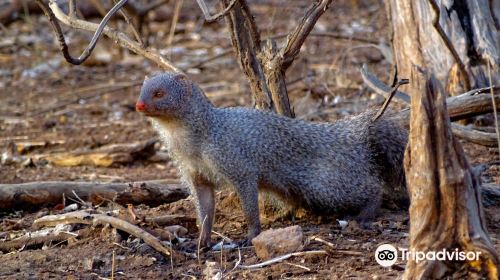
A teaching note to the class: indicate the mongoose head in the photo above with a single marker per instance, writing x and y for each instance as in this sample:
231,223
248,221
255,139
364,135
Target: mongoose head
169,95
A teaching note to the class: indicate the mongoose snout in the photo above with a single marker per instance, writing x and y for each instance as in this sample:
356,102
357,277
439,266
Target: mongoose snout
338,167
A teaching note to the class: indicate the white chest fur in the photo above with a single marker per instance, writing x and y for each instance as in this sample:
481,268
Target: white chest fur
184,150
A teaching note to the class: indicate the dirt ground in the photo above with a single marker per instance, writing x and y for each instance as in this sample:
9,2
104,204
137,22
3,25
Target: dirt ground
44,99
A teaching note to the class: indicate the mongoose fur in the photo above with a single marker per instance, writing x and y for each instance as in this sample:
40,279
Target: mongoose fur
338,167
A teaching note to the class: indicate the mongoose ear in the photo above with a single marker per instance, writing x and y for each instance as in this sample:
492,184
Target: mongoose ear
181,77
185,82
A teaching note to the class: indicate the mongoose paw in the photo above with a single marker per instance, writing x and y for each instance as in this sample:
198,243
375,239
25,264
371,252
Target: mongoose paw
247,242
193,247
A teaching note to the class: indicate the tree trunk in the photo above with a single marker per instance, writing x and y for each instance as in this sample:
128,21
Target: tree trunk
265,66
446,210
458,55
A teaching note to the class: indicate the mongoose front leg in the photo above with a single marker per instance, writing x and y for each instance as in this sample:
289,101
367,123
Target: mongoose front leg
204,199
249,197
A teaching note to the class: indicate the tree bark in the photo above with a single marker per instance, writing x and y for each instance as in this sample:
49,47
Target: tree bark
446,210
469,39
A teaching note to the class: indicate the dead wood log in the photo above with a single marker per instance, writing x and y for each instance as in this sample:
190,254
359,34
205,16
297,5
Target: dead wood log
446,211
169,220
469,104
475,136
472,103
30,196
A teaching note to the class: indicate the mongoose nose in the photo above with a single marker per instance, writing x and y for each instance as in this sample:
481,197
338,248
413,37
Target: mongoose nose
140,106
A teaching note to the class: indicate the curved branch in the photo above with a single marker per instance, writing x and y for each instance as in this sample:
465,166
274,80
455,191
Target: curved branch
64,47
206,12
117,36
298,37
380,88
82,217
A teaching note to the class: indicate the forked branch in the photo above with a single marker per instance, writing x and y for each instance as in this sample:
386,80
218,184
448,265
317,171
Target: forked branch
206,12
55,13
86,53
265,67
469,104
297,38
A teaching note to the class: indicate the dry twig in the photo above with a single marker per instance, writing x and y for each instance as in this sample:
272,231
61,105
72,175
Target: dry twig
81,217
388,99
57,234
206,12
177,11
282,258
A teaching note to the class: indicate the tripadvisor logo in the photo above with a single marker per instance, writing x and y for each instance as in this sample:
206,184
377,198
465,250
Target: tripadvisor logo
386,255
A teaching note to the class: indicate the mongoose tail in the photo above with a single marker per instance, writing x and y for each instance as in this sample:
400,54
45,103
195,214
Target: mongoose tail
339,167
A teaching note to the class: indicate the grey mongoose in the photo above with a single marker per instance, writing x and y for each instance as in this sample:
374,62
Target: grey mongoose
338,167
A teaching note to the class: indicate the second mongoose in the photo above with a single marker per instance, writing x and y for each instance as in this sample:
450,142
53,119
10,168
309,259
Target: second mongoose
338,167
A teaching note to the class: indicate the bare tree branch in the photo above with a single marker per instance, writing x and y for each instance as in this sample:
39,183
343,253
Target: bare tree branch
206,12
388,99
86,53
298,37
475,136
127,19
459,107
72,8
121,38
380,88
265,66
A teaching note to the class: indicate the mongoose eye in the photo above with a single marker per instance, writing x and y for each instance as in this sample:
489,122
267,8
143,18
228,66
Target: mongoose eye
158,94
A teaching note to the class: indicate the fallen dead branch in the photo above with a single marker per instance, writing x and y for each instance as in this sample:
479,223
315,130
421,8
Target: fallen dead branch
475,136
55,234
331,245
282,258
82,217
104,156
472,103
469,104
30,196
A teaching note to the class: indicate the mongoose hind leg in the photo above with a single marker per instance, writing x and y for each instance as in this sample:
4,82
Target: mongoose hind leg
204,198
248,193
369,212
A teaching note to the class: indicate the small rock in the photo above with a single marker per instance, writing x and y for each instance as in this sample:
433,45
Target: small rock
275,242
